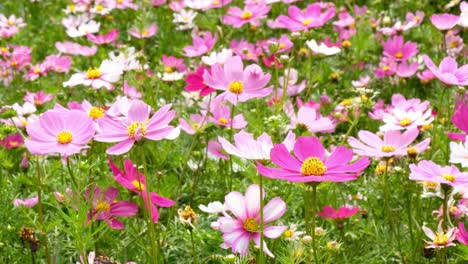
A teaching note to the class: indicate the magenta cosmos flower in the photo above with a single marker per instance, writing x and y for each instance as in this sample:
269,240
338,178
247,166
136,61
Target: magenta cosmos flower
104,39
65,133
428,171
38,98
394,143
338,215
106,208
252,13
311,164
399,50
303,20
195,82
462,235
244,225
136,126
460,120
238,84
444,21
136,182
448,71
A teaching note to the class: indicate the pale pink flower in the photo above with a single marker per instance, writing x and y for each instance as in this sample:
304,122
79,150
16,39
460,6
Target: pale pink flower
440,239
104,39
72,48
448,71
201,45
146,32
252,13
109,72
30,202
444,21
311,17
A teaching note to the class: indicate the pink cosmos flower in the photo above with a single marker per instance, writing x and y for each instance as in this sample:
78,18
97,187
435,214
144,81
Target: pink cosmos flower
400,119
425,76
401,103
338,215
428,171
109,72
12,141
135,127
454,44
303,20
201,45
222,116
38,98
399,50
416,18
311,164
30,202
362,82
444,21
172,64
394,143
147,32
462,235
387,67
124,4
215,148
195,124
65,133
195,82
246,50
406,70
104,39
310,119
134,181
440,239
58,63
243,225
448,71
460,120
238,84
252,13
254,149
106,208
72,48
130,91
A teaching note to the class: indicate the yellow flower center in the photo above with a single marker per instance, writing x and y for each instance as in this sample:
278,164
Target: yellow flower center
93,73
453,44
64,137
133,127
99,7
288,233
411,151
448,177
11,22
215,2
387,148
416,18
168,69
37,70
187,213
14,143
13,63
102,207
429,184
236,87
306,22
441,238
385,68
71,7
251,225
223,120
138,185
96,112
313,166
347,102
4,50
119,2
405,122
346,44
282,46
399,55
334,76
246,14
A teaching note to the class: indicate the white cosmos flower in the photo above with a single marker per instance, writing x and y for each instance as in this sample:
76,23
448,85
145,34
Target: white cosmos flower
322,48
459,153
185,19
399,119
213,208
109,72
217,57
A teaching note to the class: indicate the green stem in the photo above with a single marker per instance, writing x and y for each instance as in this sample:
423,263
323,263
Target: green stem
231,175
387,195
153,236
410,222
41,213
72,176
314,206
194,258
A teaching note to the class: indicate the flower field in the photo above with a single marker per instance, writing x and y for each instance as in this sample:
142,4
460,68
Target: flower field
233,131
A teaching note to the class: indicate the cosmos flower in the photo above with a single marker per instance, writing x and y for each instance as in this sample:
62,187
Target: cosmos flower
243,223
146,32
12,141
201,45
399,50
448,71
311,119
253,149
393,144
311,17
341,214
440,239
72,48
30,202
55,132
462,235
428,171
195,82
134,181
444,21
238,84
252,13
135,127
459,153
104,39
106,208
109,72
311,164
322,48
399,119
